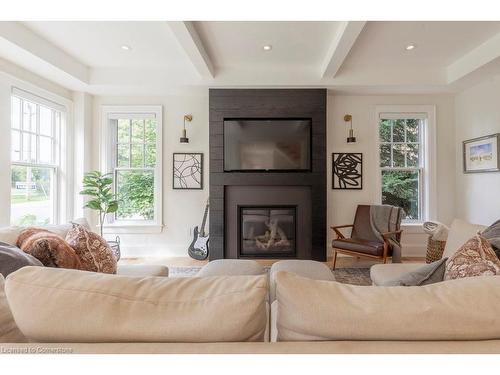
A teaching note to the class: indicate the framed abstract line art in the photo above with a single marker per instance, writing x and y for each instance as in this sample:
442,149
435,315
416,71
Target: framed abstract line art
482,154
187,171
347,171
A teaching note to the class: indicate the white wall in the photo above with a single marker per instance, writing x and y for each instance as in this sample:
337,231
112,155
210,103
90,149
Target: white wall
342,204
182,209
477,113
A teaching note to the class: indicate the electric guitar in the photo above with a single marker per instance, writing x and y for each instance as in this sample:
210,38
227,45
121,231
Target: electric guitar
199,246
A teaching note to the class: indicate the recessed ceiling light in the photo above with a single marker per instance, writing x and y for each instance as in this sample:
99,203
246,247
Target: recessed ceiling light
126,48
267,47
409,47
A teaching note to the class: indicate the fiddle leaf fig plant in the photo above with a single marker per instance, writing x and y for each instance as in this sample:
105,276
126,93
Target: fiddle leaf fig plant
98,187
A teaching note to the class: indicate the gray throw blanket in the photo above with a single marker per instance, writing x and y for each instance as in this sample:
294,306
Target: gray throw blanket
492,234
383,219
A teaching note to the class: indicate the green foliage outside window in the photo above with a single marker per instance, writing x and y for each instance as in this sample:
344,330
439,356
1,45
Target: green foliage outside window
135,190
400,158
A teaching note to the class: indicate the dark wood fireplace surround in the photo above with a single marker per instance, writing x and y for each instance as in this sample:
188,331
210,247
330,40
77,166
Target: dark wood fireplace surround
268,103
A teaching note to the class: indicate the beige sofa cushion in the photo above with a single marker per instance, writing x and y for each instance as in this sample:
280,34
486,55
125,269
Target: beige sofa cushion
141,270
306,268
230,267
58,305
381,273
9,234
460,232
8,328
464,309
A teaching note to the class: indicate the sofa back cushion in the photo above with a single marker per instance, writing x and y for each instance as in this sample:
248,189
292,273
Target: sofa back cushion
59,305
460,232
8,328
9,234
312,310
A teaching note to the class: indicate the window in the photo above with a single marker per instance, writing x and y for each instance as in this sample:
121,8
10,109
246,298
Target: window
404,161
134,156
35,135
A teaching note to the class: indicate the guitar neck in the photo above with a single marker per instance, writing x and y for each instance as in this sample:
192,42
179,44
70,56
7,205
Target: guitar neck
202,230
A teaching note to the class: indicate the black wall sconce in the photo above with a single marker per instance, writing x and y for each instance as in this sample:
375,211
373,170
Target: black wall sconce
351,138
184,138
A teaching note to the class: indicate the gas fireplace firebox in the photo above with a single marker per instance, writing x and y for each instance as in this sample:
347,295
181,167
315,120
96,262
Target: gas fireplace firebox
268,231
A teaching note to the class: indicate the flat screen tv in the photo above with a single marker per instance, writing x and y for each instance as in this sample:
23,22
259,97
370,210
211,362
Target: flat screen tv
267,145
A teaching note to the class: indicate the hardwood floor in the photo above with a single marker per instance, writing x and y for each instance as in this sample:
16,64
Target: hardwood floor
342,262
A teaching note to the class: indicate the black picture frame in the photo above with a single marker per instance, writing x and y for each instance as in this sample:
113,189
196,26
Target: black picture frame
194,167
347,171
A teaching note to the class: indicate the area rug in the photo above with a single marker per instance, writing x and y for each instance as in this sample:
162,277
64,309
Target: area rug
354,276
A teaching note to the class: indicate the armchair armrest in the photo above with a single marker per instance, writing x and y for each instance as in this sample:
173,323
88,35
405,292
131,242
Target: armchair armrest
387,235
338,232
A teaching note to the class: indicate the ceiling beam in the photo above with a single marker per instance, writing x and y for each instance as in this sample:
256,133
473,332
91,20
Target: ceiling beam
475,60
190,41
345,38
26,48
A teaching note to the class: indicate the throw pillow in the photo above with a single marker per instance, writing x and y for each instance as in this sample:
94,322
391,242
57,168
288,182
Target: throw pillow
12,258
492,234
474,258
427,274
48,248
93,250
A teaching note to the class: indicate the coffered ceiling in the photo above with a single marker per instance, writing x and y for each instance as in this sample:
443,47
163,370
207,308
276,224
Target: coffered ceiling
149,58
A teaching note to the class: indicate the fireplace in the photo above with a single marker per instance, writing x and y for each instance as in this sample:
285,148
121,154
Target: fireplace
268,222
261,175
267,231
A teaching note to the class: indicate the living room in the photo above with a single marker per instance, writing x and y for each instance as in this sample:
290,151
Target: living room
156,160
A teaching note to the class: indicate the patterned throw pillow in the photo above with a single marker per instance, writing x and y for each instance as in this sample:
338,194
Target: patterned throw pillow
474,258
93,250
48,248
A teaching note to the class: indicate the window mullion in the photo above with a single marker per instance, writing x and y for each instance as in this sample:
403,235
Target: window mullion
37,137
392,145
21,133
130,143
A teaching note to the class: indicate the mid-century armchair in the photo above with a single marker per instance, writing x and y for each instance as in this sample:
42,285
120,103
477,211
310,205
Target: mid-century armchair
364,241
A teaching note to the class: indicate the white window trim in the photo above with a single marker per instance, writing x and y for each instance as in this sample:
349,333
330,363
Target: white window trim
430,155
64,174
107,155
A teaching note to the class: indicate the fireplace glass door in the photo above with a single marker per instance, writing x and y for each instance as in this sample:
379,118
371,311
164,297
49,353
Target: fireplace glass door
266,231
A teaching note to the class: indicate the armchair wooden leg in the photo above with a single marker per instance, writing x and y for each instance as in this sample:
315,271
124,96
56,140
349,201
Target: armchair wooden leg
334,257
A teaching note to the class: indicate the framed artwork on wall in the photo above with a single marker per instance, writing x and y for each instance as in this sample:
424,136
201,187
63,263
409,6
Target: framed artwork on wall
482,154
187,171
347,171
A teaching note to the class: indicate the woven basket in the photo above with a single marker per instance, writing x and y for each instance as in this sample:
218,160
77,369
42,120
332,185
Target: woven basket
435,250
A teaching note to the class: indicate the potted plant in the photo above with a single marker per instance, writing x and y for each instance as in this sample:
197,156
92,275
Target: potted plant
98,187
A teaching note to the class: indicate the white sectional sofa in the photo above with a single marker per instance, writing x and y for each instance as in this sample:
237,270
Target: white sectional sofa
460,232
54,310
9,235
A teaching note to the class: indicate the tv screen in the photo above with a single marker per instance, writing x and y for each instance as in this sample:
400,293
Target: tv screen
266,145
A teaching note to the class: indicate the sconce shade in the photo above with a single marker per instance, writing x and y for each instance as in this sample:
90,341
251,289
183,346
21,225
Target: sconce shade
351,138
184,138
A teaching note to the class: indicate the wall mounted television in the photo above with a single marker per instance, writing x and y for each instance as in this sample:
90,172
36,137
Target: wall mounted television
276,144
